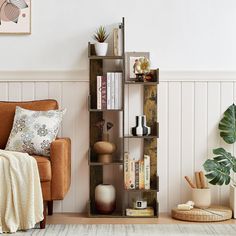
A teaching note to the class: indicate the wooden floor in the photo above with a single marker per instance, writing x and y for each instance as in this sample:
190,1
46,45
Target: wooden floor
72,218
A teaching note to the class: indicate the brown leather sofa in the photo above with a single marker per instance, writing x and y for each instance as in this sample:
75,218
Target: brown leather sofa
55,172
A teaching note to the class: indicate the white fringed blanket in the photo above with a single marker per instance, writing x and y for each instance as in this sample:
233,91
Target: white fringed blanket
21,202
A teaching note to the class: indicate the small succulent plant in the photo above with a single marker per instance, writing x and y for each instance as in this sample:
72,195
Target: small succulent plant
101,35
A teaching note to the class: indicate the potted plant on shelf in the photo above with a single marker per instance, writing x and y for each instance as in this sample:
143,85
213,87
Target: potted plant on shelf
220,168
100,37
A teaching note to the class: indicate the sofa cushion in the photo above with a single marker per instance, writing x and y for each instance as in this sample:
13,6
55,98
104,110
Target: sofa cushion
44,166
34,131
7,113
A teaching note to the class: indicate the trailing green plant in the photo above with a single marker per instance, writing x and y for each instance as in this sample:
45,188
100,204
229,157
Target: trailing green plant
220,167
101,35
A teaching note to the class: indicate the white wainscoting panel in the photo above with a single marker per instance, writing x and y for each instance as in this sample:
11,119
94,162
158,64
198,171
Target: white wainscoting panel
189,111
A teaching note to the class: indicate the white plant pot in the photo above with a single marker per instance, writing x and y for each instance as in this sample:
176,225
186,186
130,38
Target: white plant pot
232,199
101,49
201,197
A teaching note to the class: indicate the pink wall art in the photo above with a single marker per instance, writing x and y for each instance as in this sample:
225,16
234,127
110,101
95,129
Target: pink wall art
15,16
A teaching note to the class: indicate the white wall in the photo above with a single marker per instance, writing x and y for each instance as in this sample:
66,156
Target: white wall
181,35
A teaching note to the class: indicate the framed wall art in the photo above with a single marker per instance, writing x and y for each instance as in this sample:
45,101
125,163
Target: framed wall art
131,58
15,16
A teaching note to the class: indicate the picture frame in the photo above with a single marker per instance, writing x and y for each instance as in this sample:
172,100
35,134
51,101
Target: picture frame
130,61
15,18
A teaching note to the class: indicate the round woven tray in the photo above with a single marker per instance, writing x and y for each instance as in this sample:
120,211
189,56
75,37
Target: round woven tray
211,214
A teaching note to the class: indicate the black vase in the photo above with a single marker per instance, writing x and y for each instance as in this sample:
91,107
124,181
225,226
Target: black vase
140,129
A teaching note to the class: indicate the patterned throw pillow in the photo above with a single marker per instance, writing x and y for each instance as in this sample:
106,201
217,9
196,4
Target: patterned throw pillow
34,131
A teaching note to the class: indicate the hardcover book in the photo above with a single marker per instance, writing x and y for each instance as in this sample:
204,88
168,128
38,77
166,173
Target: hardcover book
99,92
146,172
140,212
104,93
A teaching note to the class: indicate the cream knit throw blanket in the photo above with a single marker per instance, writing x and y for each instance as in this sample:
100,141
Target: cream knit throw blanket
21,202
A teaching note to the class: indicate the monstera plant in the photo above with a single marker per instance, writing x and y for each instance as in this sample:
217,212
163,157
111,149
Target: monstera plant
223,163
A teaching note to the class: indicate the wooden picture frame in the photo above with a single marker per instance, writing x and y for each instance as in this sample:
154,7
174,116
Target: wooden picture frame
130,60
16,18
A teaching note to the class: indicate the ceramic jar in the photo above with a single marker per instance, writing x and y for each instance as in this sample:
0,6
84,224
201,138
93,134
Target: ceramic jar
105,198
141,129
101,49
201,197
104,149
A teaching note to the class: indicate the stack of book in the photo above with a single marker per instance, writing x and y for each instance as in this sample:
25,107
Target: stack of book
109,91
149,211
137,173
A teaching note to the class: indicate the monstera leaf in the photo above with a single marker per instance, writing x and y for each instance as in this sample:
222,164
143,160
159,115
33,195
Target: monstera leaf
217,173
225,158
228,125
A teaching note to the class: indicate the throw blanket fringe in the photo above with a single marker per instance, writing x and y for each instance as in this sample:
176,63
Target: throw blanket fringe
21,201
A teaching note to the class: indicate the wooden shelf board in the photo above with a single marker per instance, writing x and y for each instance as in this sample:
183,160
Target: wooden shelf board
141,190
144,137
105,164
93,57
141,83
100,110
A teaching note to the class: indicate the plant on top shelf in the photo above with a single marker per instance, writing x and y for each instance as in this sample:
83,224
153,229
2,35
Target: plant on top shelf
100,37
220,168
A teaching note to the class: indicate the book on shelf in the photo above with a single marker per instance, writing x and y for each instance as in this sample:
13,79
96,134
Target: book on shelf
149,211
136,173
109,91
146,172
117,42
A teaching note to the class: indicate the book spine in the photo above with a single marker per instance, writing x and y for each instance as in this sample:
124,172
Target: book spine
141,175
126,170
108,90
146,172
112,90
131,174
141,212
99,92
120,90
116,95
104,93
115,42
137,175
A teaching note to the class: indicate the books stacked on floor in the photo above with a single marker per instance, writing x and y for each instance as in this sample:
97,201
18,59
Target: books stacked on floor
109,91
149,211
137,173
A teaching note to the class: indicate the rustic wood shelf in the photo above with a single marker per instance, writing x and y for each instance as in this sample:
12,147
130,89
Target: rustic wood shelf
97,66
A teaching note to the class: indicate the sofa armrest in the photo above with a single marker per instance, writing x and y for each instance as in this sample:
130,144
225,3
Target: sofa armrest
60,155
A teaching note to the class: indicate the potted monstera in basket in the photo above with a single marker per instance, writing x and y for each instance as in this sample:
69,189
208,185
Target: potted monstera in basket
100,37
222,167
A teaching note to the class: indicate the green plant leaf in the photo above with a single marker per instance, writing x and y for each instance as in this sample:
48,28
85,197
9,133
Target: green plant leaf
227,125
225,158
101,34
218,174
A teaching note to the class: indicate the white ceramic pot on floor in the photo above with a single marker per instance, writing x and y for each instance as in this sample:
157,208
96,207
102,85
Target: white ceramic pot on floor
232,199
101,49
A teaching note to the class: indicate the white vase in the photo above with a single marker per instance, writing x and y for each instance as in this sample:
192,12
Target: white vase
232,199
201,197
101,49
105,198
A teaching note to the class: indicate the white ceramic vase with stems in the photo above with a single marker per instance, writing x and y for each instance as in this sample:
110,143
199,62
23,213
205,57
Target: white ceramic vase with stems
101,48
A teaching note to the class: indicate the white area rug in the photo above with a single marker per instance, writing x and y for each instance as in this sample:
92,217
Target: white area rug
135,230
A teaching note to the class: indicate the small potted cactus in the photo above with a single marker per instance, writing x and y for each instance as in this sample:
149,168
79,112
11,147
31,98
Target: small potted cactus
100,37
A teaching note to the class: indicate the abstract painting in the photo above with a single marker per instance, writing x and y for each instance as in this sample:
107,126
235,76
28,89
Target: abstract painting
15,16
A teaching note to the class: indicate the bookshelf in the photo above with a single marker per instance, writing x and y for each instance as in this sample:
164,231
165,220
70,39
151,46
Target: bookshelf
97,66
